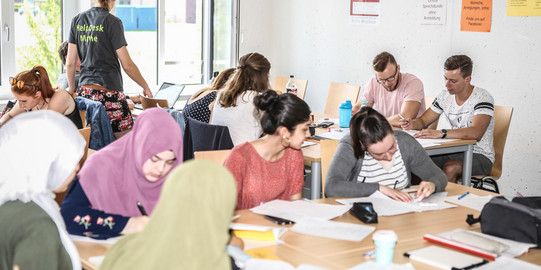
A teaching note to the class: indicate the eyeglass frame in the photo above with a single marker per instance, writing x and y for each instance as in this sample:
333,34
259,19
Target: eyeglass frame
15,82
389,79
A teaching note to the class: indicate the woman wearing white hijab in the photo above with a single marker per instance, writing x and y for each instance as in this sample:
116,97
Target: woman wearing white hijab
40,152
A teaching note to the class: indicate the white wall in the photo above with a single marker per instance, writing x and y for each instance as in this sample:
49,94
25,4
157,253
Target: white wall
314,40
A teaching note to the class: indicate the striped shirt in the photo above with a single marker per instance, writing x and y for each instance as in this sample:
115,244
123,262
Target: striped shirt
373,172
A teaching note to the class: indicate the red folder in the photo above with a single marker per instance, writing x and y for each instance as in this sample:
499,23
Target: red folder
461,246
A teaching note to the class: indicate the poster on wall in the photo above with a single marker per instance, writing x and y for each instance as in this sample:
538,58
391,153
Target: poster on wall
364,12
523,7
433,12
476,15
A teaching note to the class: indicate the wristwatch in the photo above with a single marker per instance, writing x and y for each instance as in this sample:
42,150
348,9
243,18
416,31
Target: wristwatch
444,133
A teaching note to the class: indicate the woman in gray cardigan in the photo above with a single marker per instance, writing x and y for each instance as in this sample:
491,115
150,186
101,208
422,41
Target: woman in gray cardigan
374,157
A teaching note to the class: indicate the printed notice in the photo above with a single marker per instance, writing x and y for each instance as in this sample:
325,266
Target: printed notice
364,12
476,15
523,7
434,12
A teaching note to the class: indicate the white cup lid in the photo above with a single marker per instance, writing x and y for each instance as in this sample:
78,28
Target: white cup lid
385,235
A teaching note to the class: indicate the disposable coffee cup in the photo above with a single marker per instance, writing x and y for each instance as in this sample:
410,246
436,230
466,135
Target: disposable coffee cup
385,240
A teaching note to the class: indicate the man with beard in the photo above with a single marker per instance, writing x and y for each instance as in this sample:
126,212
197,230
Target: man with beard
394,94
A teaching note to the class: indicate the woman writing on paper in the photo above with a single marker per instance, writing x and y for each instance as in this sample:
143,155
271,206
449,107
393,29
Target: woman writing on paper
40,155
103,202
374,157
190,225
34,92
272,167
234,106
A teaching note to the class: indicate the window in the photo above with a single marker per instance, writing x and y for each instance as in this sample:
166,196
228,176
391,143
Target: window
192,39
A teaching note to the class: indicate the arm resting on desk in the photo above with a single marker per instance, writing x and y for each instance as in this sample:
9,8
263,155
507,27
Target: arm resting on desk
418,162
81,219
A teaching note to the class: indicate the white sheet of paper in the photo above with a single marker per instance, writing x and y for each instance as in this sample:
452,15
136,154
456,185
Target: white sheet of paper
97,260
335,134
372,265
332,229
386,206
471,201
307,143
296,210
79,238
428,142
515,248
504,262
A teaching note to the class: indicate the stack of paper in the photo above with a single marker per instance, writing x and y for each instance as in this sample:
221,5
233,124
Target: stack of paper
386,206
296,210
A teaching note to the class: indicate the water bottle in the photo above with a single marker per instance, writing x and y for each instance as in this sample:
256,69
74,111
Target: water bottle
291,87
345,114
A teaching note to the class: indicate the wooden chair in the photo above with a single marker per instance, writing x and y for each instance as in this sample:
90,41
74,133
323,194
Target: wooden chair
339,93
218,156
328,147
85,132
280,83
502,120
83,118
153,102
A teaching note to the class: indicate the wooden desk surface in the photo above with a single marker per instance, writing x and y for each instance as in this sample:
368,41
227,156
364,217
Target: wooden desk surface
340,254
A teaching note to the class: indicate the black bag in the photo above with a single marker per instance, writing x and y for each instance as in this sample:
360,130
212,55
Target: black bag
518,220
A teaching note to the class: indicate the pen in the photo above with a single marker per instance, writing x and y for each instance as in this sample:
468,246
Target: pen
520,195
400,115
141,209
463,195
394,187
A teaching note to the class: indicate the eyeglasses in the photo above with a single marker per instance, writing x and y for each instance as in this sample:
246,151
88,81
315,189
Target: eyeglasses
20,84
390,79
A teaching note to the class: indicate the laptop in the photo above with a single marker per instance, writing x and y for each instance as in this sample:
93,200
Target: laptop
168,91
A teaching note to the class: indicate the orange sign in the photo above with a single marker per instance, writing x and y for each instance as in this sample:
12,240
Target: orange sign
476,15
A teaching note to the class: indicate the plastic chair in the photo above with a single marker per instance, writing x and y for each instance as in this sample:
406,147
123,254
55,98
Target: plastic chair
280,84
328,147
218,156
339,93
502,120
153,102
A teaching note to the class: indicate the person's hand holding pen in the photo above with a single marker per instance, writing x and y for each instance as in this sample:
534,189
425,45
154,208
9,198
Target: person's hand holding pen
406,124
137,224
425,189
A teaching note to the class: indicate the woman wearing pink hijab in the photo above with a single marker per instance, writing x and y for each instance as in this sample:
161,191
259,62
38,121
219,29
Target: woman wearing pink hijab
104,201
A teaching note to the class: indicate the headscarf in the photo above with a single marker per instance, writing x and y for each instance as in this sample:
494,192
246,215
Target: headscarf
113,178
39,150
190,226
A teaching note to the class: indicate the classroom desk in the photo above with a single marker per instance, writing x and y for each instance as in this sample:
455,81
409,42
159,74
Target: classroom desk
340,254
312,158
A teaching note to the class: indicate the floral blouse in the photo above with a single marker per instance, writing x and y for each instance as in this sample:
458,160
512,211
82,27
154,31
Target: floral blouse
81,219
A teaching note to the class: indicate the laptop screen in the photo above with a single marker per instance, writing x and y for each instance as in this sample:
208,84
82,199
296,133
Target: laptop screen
169,91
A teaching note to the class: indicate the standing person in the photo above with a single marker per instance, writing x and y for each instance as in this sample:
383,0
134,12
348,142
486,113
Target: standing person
470,110
393,92
199,106
40,156
190,226
374,157
34,92
234,105
272,167
97,37
102,203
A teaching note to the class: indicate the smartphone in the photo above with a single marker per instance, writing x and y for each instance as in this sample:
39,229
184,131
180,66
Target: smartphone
279,221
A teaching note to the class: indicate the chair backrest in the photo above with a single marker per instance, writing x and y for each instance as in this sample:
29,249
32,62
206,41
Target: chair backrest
85,132
328,147
153,102
502,120
280,83
218,156
339,93
83,117
199,136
